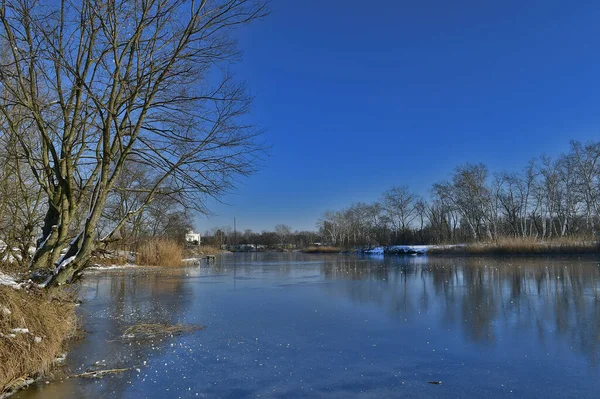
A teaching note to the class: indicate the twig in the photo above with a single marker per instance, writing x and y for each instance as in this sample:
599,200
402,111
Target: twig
100,373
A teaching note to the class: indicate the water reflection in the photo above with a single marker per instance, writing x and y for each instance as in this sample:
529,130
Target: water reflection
295,325
112,302
484,295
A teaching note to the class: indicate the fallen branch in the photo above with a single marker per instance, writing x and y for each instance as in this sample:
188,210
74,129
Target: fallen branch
101,373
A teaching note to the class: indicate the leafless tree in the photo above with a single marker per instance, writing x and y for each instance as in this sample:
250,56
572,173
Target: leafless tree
586,160
20,203
422,212
283,233
98,84
399,205
550,198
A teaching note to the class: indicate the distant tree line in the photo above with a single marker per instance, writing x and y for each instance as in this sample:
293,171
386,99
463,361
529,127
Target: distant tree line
281,237
549,198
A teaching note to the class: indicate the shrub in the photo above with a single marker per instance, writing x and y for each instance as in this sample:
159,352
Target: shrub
160,252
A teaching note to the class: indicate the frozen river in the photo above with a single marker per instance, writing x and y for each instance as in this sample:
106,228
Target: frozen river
342,326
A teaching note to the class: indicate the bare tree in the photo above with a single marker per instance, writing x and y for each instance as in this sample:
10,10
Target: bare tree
421,211
283,232
399,205
20,203
102,83
549,198
586,160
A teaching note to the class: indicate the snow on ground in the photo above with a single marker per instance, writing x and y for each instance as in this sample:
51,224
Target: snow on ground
374,251
400,249
406,249
11,257
5,279
111,267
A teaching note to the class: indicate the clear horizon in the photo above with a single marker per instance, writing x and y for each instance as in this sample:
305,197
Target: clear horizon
356,101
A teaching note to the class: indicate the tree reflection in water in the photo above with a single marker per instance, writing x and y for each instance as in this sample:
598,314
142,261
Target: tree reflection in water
484,295
378,325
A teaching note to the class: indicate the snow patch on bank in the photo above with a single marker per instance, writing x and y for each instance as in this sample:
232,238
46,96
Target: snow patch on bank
374,251
10,281
111,267
400,250
406,249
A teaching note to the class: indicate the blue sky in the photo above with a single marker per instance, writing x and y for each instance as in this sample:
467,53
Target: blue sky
360,96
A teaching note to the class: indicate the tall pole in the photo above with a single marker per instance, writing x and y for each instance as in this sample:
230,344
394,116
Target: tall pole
234,232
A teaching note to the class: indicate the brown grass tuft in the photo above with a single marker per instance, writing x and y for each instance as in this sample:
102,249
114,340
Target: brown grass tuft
153,330
525,246
322,250
160,252
47,317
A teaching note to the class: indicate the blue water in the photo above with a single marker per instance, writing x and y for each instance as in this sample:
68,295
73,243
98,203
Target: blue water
341,326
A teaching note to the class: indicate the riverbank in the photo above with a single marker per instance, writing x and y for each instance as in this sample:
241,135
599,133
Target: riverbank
500,247
522,247
34,330
462,304
157,252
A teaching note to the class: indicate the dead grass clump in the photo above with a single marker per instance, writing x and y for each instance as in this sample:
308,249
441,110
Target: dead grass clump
34,329
154,330
524,246
160,252
447,250
322,250
532,246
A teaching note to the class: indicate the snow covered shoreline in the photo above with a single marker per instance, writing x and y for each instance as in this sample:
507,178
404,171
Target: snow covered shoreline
404,249
110,267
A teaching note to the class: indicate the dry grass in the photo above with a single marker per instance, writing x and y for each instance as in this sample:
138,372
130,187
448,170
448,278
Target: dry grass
50,322
153,330
160,252
525,246
322,250
12,268
210,250
109,258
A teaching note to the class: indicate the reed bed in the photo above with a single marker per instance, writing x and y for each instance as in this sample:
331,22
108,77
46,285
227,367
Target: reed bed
322,250
160,252
524,246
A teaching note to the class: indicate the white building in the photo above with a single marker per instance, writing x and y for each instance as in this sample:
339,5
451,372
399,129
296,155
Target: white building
192,238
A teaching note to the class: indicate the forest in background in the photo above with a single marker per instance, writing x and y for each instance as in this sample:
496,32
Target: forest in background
549,199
